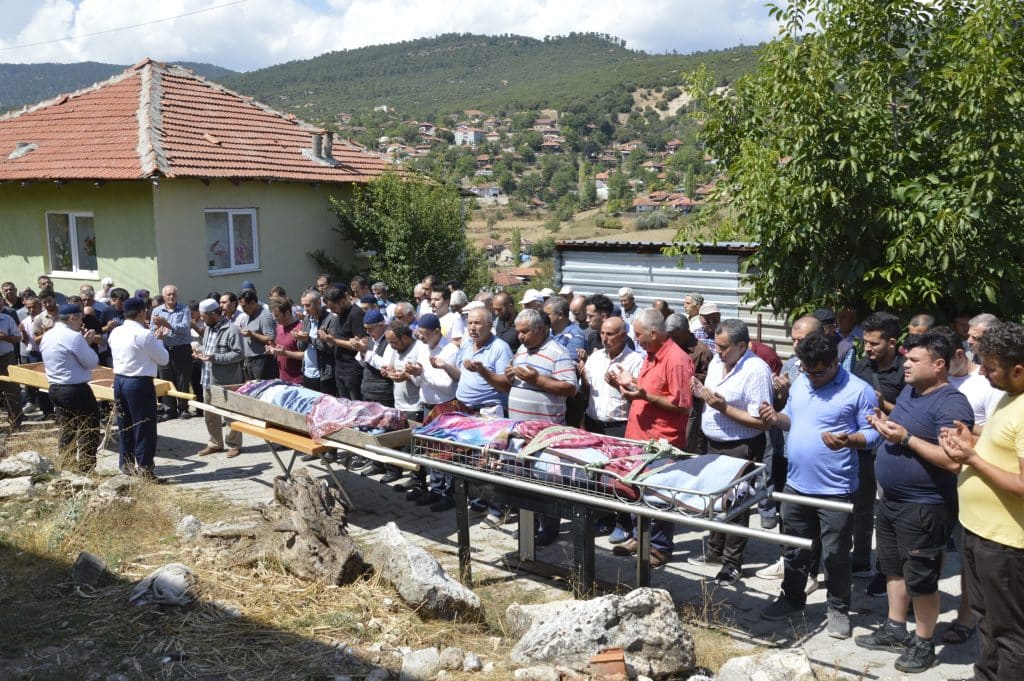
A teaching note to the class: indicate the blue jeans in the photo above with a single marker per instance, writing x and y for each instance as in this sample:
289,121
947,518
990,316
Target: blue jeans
135,398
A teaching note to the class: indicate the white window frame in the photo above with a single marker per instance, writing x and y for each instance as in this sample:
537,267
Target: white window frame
232,268
75,270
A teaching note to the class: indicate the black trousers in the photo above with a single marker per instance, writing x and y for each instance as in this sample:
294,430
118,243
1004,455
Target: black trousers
730,547
78,417
261,368
10,393
349,385
323,385
834,529
612,428
178,371
995,587
864,508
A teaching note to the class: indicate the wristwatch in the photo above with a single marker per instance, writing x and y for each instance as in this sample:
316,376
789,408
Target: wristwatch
905,442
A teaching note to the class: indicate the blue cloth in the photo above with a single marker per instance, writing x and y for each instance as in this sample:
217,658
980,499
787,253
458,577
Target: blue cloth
310,363
572,339
473,390
180,319
690,483
8,327
841,406
903,475
135,398
297,398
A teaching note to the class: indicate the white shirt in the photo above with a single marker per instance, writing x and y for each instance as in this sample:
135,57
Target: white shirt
605,402
979,392
67,358
26,326
407,393
745,387
452,325
436,386
135,350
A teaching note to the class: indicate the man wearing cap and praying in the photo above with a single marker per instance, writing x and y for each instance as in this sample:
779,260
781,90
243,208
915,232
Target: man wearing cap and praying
136,354
532,300
68,360
221,355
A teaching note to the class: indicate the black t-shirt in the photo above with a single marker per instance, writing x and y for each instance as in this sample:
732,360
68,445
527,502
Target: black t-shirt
902,474
350,325
889,381
506,331
91,322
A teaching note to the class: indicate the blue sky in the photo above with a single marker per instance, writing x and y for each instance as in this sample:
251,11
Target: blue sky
250,34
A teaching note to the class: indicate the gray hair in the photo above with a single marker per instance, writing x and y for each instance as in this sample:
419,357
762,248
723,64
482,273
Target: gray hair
531,317
488,318
697,298
650,319
312,294
558,305
923,319
459,299
985,319
484,296
675,322
379,286
735,329
403,308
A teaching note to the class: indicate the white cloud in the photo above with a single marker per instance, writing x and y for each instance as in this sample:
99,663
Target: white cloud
258,33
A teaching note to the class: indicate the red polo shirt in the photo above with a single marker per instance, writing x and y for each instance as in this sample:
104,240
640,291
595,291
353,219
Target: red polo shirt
667,374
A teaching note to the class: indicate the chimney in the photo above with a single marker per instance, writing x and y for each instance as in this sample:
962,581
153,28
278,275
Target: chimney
318,144
328,144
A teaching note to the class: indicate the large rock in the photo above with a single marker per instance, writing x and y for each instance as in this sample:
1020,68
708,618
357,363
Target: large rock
776,665
643,623
420,665
88,570
418,577
189,527
24,463
13,488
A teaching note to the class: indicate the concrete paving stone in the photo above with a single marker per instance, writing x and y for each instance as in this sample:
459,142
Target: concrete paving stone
249,477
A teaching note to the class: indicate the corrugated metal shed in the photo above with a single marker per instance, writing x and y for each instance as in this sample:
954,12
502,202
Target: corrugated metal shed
605,266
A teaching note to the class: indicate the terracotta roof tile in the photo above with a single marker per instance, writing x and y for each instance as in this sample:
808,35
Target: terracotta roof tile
155,119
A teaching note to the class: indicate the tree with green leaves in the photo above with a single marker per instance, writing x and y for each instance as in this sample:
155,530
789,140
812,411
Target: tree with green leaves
877,155
410,228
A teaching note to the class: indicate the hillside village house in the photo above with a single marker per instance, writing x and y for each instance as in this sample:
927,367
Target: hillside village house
159,176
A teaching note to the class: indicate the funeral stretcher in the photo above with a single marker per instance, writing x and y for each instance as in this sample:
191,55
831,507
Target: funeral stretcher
570,482
102,382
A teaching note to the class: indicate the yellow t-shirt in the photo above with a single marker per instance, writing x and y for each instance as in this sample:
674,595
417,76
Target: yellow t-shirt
985,510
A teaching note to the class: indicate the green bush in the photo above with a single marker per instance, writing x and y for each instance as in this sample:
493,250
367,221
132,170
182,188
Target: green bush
657,219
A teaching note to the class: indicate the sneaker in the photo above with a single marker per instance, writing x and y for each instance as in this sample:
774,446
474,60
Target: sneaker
876,588
475,505
769,522
727,576
29,408
619,536
812,584
776,570
491,521
862,571
703,560
372,470
781,609
391,476
838,623
884,638
919,656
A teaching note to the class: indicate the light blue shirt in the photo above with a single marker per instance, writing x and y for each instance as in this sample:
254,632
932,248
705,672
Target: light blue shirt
310,367
473,390
572,339
841,406
180,319
67,358
10,328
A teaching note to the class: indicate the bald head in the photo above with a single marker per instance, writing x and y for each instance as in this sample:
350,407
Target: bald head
803,327
613,336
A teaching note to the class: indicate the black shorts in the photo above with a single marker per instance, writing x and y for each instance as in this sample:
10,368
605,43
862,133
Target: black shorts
910,540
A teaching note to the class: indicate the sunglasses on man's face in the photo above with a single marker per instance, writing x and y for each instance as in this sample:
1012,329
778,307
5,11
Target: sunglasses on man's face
817,374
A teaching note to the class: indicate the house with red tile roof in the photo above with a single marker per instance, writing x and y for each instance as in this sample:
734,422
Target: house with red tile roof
159,176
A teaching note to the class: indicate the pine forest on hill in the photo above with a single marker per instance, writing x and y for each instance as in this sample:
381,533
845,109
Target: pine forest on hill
497,74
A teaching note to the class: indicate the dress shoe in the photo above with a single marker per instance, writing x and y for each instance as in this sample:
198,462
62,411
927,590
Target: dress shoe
357,463
659,558
391,476
233,452
626,548
414,493
185,415
445,504
148,475
309,457
373,469
207,451
427,499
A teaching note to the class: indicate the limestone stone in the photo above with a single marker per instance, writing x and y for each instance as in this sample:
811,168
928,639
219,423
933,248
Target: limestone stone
791,664
452,658
642,622
16,487
471,663
418,577
24,463
189,528
420,665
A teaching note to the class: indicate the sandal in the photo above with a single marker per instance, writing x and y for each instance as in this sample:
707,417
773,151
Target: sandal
957,633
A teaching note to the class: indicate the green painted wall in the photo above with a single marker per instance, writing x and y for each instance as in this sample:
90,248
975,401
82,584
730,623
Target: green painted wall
123,214
292,219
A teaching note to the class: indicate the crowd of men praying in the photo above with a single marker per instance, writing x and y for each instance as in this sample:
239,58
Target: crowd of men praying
919,425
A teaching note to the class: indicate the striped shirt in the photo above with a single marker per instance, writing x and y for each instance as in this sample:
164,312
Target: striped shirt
529,403
745,387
